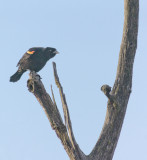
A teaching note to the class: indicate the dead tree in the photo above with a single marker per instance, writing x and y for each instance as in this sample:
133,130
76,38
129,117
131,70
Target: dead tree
117,97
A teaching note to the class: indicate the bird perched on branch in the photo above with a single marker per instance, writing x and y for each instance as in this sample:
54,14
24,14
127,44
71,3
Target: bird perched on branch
34,60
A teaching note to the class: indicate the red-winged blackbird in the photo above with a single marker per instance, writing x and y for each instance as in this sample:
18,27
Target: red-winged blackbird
34,60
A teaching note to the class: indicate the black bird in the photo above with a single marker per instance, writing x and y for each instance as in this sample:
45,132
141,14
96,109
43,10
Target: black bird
34,60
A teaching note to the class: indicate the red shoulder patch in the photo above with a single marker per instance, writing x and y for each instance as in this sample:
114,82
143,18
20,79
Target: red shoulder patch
30,52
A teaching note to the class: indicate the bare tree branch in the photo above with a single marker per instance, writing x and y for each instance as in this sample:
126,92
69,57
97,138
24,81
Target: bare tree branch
53,98
36,87
105,147
66,112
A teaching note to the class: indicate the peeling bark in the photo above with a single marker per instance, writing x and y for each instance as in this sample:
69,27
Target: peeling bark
117,97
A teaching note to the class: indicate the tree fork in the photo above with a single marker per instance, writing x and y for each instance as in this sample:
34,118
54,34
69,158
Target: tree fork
117,97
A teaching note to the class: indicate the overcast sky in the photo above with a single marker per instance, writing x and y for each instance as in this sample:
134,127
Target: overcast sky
88,36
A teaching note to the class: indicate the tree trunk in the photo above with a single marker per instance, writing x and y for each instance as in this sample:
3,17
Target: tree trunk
117,97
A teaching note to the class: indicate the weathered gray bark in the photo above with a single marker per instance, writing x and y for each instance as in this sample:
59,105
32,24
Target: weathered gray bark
117,98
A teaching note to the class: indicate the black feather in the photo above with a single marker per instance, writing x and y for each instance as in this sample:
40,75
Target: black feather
15,77
34,60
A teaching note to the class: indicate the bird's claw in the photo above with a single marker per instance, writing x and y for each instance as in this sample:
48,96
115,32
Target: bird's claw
34,75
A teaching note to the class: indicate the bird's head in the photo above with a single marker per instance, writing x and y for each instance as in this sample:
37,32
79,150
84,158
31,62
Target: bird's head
50,52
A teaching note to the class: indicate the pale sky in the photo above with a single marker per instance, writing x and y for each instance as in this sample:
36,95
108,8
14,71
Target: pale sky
88,36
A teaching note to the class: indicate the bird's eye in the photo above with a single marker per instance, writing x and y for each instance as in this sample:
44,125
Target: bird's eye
30,52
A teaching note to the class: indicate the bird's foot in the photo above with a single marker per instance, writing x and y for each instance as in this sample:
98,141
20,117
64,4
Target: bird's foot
34,75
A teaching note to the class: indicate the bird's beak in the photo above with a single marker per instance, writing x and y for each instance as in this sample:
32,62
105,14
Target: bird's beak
56,52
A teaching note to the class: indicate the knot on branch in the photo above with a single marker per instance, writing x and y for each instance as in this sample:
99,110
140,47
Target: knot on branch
30,85
33,77
106,89
113,98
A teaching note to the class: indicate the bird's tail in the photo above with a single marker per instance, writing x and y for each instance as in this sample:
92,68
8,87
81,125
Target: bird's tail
15,77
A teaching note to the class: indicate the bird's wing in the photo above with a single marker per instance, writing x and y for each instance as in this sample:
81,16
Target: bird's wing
24,58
